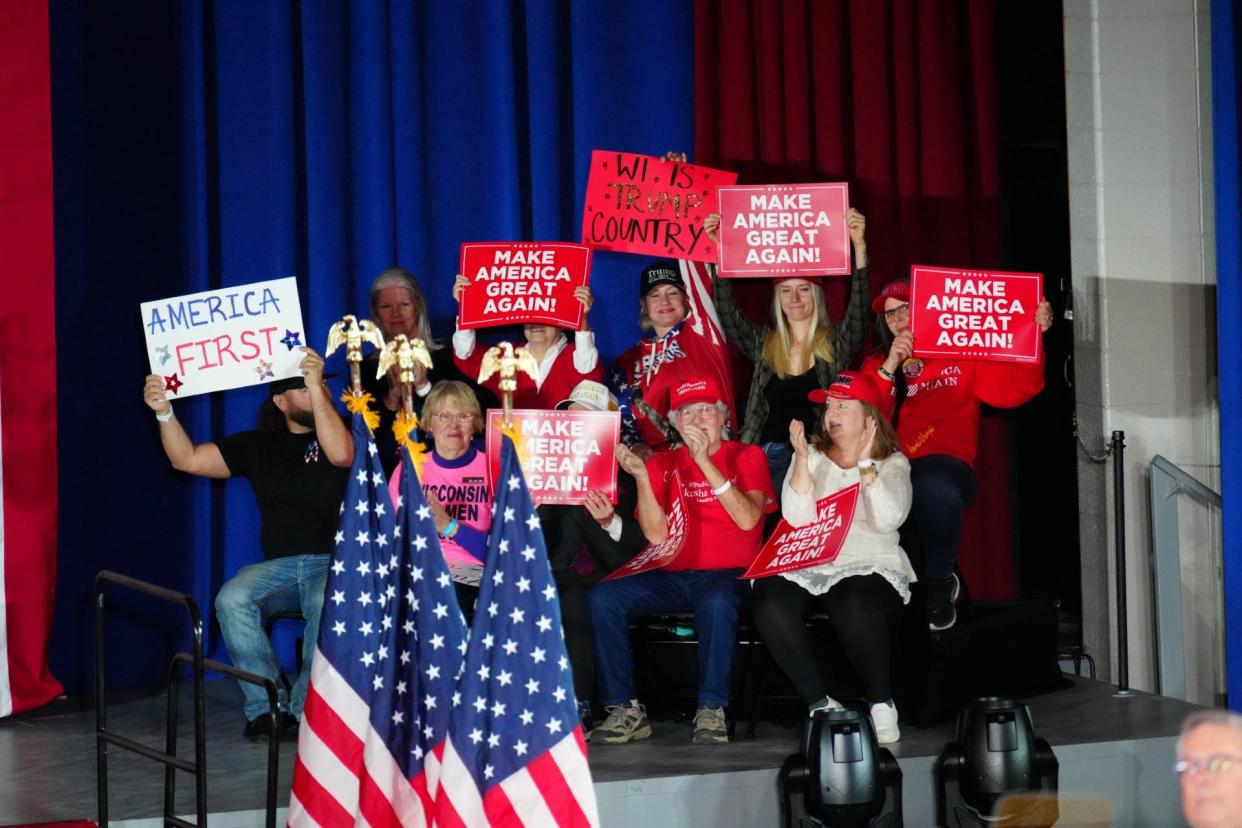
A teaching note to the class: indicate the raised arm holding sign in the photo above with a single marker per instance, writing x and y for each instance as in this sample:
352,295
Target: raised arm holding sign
938,423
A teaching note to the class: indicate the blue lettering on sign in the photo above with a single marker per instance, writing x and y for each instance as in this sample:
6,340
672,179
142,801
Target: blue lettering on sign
194,313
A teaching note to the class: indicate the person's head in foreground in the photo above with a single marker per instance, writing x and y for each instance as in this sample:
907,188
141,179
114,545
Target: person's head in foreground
1209,767
398,305
892,309
851,402
589,395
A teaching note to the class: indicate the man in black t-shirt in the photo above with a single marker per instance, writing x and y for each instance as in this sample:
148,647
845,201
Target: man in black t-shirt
297,462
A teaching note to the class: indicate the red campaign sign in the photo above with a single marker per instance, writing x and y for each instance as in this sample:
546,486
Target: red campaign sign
642,204
784,230
802,547
659,555
564,454
521,282
975,314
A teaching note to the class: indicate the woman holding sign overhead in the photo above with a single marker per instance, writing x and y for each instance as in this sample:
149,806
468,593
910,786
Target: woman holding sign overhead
935,405
867,582
562,364
800,352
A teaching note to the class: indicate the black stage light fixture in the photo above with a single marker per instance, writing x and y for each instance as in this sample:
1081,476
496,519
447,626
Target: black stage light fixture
996,752
844,777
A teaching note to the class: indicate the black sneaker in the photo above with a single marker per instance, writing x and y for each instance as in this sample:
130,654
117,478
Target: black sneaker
261,727
941,597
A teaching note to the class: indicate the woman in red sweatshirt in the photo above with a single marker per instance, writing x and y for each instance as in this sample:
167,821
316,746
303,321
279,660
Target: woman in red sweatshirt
935,405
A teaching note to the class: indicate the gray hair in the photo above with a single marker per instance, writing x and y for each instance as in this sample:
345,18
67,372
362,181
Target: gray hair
1226,718
402,278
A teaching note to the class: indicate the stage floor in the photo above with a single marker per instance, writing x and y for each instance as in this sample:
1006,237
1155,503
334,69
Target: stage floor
47,757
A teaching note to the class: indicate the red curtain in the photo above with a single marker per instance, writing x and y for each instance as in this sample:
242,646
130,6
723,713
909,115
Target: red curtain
27,360
898,98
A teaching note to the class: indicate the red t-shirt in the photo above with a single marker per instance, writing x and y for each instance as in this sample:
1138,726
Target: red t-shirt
713,540
940,414
560,381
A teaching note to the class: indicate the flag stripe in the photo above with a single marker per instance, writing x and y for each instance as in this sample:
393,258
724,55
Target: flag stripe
390,783
315,801
333,738
375,807
323,769
457,790
571,758
297,813
524,792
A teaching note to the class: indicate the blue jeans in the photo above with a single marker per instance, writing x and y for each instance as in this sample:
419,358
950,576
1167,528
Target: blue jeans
253,595
714,596
779,455
943,488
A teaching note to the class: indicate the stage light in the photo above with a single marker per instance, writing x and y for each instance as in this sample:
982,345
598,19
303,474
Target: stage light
996,752
844,777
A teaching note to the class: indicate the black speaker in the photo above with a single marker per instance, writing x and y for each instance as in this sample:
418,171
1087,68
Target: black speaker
844,777
994,753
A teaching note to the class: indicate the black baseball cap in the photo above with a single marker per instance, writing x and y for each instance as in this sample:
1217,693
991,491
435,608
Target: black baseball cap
280,386
659,273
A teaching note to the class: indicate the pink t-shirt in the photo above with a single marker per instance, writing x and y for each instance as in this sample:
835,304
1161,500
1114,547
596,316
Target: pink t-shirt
463,488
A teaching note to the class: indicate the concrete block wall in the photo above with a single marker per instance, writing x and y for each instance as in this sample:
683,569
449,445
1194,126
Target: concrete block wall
1138,120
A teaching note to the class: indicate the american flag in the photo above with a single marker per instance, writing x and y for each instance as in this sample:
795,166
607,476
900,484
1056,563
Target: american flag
391,644
516,755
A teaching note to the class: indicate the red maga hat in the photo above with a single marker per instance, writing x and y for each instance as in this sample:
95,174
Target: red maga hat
897,289
692,391
850,385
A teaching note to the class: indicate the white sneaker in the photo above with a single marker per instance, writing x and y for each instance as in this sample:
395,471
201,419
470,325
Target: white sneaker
884,719
826,703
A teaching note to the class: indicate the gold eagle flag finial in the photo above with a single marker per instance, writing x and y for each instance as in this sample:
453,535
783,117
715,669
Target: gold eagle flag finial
405,353
352,333
507,361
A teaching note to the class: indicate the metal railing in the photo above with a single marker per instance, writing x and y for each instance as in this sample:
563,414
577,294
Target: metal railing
168,757
1167,481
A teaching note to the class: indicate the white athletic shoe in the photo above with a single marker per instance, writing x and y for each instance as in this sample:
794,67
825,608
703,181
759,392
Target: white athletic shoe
884,718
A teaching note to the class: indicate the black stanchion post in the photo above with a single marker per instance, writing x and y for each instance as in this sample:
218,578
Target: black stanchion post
1119,543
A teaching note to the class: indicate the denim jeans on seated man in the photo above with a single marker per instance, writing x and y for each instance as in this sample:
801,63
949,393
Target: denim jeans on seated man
713,595
249,599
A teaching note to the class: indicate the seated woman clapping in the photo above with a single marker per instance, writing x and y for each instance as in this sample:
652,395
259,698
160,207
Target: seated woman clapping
863,588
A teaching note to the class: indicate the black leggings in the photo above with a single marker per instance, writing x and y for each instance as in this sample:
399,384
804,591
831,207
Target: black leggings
860,607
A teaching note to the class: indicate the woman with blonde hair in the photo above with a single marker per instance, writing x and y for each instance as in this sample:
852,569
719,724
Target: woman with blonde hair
802,350
863,587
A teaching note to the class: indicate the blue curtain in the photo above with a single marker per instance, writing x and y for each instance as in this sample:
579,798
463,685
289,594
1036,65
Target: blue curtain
200,144
1226,115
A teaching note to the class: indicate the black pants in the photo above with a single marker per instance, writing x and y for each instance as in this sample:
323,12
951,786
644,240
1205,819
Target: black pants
861,608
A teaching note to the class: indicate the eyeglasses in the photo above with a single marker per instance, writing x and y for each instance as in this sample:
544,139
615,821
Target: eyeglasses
446,417
899,312
1216,763
694,412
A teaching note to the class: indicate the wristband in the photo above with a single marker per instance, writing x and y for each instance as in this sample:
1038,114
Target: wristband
166,416
887,374
450,529
722,488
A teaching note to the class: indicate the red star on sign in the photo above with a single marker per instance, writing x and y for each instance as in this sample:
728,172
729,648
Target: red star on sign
172,384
